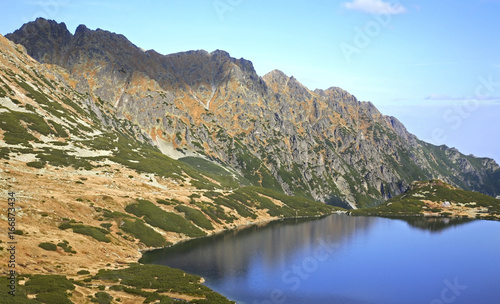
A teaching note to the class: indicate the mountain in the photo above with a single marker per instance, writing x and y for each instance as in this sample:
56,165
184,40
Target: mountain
271,130
87,191
436,198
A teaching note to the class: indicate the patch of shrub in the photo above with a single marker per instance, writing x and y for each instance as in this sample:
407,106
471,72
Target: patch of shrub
48,246
195,216
295,205
114,214
49,288
215,212
64,226
53,297
65,246
97,233
102,298
145,234
94,232
36,164
158,277
165,202
236,205
81,272
155,216
106,226
116,287
19,298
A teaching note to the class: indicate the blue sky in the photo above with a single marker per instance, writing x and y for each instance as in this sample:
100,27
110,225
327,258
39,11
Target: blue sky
435,65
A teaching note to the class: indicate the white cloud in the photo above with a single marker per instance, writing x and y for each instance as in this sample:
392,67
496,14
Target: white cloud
375,7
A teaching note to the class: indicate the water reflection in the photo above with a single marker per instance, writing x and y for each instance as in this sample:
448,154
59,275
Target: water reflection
231,253
433,224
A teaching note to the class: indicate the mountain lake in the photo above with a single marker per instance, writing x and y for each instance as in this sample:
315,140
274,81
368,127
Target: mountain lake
344,259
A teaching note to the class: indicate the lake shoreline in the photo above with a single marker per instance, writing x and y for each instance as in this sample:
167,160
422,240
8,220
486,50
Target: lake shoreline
425,215
240,226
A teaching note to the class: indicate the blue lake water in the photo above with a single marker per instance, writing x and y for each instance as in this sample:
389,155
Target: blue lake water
342,259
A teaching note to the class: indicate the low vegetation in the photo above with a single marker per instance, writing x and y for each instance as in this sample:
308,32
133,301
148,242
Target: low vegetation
292,205
145,234
195,216
94,232
102,297
147,282
48,246
44,288
66,247
167,221
161,279
215,212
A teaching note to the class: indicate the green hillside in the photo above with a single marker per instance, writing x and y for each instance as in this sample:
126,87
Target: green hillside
437,198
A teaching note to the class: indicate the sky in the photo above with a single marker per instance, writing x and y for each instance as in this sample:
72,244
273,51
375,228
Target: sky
434,65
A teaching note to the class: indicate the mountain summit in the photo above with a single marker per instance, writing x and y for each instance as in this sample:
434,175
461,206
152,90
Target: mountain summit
271,130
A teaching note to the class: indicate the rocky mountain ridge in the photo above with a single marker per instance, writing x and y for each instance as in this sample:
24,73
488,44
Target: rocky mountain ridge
271,130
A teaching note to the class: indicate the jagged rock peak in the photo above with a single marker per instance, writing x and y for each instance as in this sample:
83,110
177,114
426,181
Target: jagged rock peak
279,77
43,28
216,56
42,38
103,37
336,90
244,64
275,75
191,52
276,79
81,29
220,53
336,93
45,25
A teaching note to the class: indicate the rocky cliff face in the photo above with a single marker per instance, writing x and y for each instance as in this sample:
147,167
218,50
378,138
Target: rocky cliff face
323,144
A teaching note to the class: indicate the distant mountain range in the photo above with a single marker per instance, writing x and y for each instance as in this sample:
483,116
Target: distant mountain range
195,106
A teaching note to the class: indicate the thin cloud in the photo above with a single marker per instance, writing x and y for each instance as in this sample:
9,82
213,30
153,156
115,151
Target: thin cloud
439,97
400,99
448,98
375,7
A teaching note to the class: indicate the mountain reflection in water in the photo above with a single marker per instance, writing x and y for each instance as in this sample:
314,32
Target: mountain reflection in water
231,252
433,224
